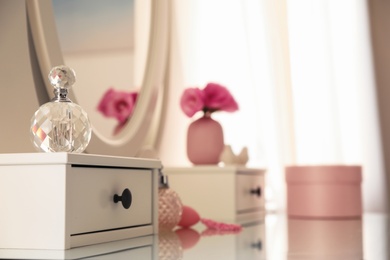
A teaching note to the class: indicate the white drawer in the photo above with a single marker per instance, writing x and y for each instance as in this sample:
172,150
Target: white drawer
92,208
62,201
223,193
249,192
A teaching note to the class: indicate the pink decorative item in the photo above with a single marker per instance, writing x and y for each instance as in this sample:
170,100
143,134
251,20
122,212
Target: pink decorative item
192,101
220,226
189,217
212,98
215,232
204,141
205,136
118,105
188,237
326,191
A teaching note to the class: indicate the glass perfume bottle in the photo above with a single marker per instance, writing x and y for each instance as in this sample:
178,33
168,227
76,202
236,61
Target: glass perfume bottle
61,125
169,205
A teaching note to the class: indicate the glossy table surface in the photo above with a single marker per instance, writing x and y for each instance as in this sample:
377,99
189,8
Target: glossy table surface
284,238
276,237
365,238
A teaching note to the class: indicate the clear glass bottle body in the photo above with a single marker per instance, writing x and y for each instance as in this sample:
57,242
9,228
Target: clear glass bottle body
60,127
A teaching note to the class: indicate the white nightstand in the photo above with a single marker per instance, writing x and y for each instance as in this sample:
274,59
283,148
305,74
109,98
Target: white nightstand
61,201
222,193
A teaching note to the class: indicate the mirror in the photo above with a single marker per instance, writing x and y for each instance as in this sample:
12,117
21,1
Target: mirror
119,44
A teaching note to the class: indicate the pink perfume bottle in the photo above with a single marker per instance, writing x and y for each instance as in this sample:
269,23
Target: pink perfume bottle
169,205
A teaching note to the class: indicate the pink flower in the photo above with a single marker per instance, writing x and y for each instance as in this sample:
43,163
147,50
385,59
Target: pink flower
117,104
192,101
219,98
213,97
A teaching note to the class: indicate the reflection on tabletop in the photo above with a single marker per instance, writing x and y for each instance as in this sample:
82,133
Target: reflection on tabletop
277,237
292,239
281,238
313,239
203,243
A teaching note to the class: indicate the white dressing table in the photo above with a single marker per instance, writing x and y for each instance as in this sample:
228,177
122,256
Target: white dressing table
367,238
53,235
72,206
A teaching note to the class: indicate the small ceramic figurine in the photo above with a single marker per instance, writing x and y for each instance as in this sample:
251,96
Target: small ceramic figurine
229,158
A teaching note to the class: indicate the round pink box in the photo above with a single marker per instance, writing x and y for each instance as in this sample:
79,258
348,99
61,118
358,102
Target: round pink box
326,191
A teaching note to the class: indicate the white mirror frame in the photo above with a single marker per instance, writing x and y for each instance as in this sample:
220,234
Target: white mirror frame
145,121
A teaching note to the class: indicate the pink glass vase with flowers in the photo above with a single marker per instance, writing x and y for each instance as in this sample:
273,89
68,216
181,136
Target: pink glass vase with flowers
119,105
205,140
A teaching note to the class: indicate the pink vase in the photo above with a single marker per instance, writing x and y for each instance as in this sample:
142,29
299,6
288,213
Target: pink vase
204,141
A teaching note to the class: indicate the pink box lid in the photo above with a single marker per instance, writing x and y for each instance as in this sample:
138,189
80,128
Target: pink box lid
324,174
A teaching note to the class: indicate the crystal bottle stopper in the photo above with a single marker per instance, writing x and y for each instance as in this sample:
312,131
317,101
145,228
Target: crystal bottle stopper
61,125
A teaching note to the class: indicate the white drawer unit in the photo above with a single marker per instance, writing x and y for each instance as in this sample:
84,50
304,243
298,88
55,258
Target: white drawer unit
223,193
62,201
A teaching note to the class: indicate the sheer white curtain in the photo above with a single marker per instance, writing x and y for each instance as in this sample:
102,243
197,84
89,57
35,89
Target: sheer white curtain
335,117
301,71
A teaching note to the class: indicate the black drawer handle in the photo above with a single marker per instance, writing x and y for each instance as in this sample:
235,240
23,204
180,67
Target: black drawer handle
256,191
126,198
258,245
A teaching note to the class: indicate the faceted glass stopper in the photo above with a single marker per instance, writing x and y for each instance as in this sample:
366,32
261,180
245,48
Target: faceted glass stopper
61,125
62,77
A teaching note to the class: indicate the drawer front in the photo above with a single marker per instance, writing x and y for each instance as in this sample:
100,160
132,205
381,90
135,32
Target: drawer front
251,242
135,253
249,192
90,193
